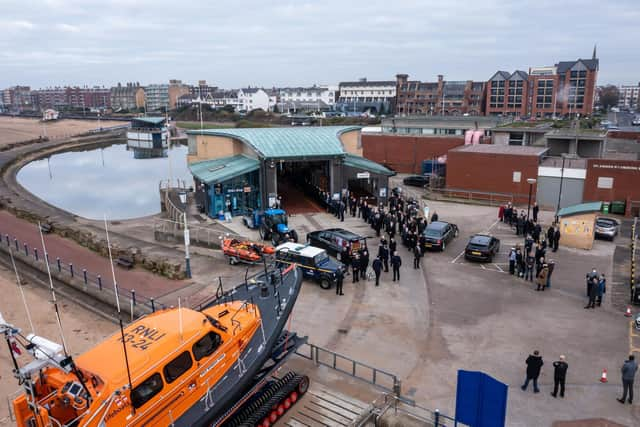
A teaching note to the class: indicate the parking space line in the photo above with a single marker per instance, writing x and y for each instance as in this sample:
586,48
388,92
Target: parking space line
456,258
498,267
483,267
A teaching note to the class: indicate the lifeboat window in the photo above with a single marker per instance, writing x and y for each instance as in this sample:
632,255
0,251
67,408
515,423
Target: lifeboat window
177,367
145,391
206,345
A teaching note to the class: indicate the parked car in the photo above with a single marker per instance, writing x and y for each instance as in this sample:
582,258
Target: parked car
636,121
606,228
336,240
416,180
314,262
438,234
482,247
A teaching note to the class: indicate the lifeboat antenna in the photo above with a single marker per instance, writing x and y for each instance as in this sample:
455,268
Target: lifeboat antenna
24,300
180,317
53,292
72,364
115,288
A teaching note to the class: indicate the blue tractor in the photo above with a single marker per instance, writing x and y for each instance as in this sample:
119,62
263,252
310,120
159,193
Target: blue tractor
272,224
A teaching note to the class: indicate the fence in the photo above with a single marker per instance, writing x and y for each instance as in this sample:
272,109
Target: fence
169,230
493,199
93,282
387,402
167,193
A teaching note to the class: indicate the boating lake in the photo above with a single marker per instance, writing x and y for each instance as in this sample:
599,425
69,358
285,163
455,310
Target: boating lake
108,180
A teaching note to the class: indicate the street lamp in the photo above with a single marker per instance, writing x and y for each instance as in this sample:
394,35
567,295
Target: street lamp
531,181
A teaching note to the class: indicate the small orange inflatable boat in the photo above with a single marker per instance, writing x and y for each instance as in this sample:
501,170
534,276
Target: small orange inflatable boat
245,250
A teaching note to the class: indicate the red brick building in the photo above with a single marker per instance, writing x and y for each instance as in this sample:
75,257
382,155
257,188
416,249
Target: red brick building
567,88
494,169
405,154
611,180
445,98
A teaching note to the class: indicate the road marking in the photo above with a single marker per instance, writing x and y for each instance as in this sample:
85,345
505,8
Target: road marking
456,258
483,267
498,267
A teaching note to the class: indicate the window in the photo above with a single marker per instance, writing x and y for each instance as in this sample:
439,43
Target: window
206,345
177,367
145,391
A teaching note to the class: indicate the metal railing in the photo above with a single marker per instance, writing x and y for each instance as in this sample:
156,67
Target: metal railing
477,196
136,302
377,410
198,235
338,362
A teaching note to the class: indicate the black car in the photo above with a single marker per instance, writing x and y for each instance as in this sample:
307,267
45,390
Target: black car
438,234
482,248
314,262
335,240
416,180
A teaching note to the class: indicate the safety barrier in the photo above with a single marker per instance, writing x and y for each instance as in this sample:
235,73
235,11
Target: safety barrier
136,302
198,235
493,199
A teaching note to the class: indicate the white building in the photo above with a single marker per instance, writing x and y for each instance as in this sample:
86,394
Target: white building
254,98
313,98
156,97
629,96
366,95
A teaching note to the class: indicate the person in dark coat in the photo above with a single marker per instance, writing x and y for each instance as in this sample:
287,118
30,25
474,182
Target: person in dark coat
383,254
602,289
556,239
530,263
628,370
417,254
377,269
396,262
355,268
519,263
534,365
537,230
364,263
550,235
434,217
535,210
339,280
345,258
393,246
559,375
593,292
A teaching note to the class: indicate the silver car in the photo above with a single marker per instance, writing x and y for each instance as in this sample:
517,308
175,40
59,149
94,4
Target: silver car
606,228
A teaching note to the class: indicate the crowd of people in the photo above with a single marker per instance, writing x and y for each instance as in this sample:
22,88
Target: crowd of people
530,260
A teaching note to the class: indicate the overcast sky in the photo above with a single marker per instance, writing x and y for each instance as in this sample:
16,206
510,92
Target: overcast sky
300,42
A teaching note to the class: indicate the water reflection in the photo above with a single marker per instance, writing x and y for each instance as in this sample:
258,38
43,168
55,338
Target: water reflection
112,180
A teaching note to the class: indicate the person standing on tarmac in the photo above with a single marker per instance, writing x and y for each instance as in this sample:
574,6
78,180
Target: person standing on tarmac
355,268
383,254
534,365
559,375
396,262
593,292
364,263
417,254
339,280
392,246
377,269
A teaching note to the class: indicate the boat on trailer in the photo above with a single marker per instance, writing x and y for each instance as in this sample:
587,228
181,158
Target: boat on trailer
182,367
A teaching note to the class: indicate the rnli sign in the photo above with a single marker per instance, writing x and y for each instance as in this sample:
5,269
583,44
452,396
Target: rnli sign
142,336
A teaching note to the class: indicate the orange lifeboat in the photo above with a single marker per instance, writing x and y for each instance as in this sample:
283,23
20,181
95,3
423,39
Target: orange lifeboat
245,251
181,367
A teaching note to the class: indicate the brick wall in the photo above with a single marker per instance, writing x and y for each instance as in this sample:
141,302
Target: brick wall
405,154
626,180
492,173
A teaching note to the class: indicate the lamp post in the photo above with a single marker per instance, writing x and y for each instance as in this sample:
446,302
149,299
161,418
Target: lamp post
531,181
560,189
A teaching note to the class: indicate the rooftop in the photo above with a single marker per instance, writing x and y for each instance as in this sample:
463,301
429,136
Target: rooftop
288,142
513,150
150,120
218,170
580,209
358,162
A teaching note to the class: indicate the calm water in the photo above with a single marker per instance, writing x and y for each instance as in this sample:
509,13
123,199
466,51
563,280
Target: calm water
103,181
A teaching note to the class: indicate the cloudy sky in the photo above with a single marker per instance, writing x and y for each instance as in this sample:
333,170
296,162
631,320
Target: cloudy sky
233,43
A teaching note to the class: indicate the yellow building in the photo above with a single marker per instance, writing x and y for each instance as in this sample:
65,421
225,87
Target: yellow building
577,224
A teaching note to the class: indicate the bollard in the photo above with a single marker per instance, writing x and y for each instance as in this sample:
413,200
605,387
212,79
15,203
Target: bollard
84,273
16,242
99,282
35,253
436,416
133,296
153,306
26,250
59,266
71,269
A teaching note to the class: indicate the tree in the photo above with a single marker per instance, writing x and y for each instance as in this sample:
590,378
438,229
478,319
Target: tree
609,96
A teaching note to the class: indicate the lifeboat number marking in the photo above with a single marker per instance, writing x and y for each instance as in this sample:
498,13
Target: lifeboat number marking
142,337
